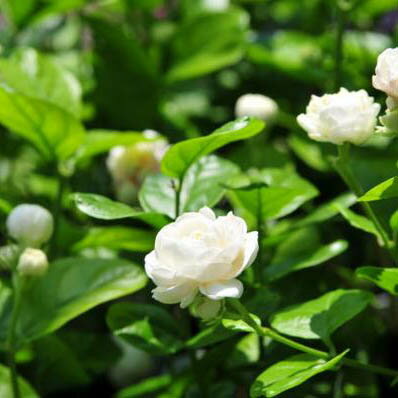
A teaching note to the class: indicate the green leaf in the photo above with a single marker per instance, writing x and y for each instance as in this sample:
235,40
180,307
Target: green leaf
54,132
182,155
290,373
386,190
26,390
358,221
386,278
201,187
319,318
147,386
100,141
245,352
145,326
18,10
328,210
234,322
278,193
209,336
103,208
39,76
118,238
71,287
294,255
207,43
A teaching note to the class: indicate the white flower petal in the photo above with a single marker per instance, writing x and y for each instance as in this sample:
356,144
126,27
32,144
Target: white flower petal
183,294
217,291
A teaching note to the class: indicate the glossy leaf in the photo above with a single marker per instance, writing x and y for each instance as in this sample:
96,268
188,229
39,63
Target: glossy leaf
39,76
386,190
319,318
52,130
71,287
101,207
385,278
182,155
145,326
290,373
118,238
358,221
202,187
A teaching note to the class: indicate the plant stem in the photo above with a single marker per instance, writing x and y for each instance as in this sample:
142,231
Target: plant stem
338,385
268,332
178,196
57,214
338,55
11,337
260,228
343,168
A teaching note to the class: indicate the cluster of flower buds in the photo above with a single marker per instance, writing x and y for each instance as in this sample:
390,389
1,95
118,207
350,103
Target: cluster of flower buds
30,226
129,165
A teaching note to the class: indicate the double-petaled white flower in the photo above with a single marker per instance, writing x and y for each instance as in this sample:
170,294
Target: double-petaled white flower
386,75
200,252
386,79
30,225
347,116
256,105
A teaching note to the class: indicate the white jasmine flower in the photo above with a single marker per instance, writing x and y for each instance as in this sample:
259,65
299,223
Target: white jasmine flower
347,116
200,252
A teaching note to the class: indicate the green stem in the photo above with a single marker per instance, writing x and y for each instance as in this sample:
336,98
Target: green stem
178,196
338,55
343,168
338,385
260,228
57,214
267,332
11,346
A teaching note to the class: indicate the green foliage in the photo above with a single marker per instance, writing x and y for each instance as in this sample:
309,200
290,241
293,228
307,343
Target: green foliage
386,278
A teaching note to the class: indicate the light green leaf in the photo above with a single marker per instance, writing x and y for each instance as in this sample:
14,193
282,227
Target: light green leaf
103,208
99,141
386,278
386,190
5,386
71,287
118,238
202,187
358,221
18,10
5,207
182,155
291,257
279,193
290,373
245,352
327,210
319,318
145,326
147,386
39,76
207,43
235,322
54,132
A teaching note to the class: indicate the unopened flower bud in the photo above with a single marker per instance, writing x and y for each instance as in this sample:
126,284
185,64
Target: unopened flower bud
30,225
256,105
32,262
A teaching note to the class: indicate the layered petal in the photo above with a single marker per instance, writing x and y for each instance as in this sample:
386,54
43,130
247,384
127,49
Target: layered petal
219,290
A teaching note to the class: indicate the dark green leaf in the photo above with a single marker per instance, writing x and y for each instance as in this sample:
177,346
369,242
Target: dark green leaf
290,373
182,155
386,278
319,318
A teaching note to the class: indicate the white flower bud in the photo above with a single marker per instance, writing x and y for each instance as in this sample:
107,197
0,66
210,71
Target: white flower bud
256,105
32,262
215,5
128,165
386,75
200,252
30,225
206,309
347,116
